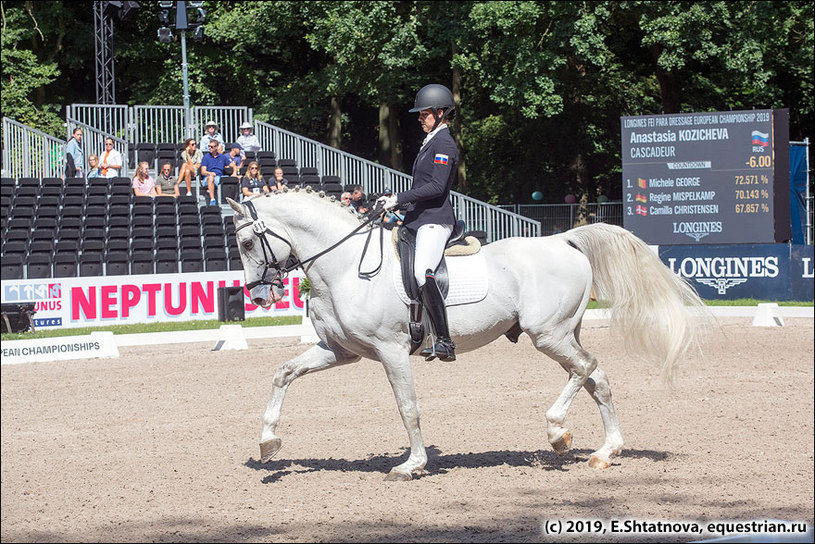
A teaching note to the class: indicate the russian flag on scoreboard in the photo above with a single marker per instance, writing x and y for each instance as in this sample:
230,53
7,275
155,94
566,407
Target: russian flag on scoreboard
761,138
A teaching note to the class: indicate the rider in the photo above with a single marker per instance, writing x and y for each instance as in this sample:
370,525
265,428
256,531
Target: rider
431,217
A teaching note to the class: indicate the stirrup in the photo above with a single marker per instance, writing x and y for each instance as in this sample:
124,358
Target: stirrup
444,349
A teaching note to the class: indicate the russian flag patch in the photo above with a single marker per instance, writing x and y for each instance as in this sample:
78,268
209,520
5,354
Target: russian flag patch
440,159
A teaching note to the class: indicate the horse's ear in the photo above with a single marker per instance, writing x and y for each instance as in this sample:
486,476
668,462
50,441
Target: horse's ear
235,206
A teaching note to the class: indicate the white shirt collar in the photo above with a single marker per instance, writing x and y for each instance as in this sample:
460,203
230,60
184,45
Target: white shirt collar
433,133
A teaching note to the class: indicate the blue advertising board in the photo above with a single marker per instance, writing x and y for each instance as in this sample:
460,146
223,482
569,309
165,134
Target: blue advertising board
759,271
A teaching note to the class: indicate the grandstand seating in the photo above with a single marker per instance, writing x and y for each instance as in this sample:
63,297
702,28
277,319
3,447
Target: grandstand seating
67,228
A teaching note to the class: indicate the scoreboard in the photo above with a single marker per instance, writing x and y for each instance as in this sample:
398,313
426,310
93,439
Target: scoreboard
707,178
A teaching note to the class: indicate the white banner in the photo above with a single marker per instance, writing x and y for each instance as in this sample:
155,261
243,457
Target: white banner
151,298
95,344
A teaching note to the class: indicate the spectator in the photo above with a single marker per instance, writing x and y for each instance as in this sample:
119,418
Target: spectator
357,197
211,133
252,183
111,161
212,168
248,141
235,160
74,158
278,181
345,198
143,184
166,182
192,162
93,167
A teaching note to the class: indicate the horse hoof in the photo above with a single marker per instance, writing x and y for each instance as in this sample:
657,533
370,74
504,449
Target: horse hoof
595,461
562,444
398,476
269,448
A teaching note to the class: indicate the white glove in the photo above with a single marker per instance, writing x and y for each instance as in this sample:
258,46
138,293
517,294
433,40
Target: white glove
389,202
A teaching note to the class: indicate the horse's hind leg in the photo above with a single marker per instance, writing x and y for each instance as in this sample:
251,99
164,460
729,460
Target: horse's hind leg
319,357
583,372
598,387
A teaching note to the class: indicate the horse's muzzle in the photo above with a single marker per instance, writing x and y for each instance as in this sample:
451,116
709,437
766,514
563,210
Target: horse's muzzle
265,296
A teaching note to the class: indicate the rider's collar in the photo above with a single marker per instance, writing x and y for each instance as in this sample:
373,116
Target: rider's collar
433,133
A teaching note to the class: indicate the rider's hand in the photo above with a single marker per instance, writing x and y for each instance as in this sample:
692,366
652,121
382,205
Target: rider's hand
389,202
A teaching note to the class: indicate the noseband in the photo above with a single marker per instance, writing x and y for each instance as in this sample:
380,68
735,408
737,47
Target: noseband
260,230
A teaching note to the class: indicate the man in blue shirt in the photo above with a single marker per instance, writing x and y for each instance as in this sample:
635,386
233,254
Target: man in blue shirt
212,168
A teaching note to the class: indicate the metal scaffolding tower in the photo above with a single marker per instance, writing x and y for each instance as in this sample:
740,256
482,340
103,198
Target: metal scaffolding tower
103,46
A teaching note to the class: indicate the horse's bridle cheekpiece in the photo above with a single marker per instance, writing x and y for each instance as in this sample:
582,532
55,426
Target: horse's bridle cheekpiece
260,230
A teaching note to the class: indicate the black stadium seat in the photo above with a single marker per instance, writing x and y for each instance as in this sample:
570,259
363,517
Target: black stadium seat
39,266
11,266
90,264
117,263
65,265
166,261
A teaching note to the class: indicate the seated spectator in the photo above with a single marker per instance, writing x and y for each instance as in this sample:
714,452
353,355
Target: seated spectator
166,182
278,181
345,199
93,167
252,183
357,198
235,160
248,141
143,184
74,158
212,168
211,133
110,161
192,162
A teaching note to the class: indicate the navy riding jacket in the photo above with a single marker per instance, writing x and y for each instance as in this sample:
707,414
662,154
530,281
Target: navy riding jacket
433,173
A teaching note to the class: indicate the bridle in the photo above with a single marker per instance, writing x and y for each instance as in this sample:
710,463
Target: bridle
270,261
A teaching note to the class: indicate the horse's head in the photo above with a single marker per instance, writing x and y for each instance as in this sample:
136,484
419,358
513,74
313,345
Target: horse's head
263,253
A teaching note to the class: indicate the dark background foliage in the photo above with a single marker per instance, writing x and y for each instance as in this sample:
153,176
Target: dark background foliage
541,85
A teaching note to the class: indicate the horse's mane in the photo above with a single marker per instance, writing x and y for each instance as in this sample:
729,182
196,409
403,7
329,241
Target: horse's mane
307,194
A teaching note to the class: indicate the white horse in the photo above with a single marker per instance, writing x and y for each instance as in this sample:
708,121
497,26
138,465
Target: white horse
541,285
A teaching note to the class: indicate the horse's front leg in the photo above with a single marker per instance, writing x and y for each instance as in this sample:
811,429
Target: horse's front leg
319,357
400,375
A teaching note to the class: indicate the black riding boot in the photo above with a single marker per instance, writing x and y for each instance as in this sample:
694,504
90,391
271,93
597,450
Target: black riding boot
444,348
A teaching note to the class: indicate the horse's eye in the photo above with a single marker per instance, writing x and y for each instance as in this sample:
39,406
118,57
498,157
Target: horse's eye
247,245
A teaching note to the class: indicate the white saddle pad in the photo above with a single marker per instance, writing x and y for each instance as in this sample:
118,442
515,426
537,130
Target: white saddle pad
467,277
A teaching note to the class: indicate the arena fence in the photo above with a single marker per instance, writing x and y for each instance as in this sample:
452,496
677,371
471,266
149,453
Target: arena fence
28,152
555,218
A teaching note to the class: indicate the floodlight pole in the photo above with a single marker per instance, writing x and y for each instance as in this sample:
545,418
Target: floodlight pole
187,126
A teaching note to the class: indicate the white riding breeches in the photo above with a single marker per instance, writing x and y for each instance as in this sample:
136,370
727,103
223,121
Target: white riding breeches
430,242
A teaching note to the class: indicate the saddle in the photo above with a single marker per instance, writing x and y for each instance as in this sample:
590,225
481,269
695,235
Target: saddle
405,242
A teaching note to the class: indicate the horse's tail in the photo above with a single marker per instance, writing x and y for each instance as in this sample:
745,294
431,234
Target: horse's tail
656,310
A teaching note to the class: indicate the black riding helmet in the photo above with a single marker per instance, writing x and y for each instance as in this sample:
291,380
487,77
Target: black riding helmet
435,97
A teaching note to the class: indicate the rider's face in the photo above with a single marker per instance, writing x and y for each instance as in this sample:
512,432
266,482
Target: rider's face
426,119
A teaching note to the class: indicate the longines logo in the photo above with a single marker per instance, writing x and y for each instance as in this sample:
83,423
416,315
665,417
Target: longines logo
697,229
722,273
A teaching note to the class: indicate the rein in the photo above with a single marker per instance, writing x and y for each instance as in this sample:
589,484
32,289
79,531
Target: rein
260,230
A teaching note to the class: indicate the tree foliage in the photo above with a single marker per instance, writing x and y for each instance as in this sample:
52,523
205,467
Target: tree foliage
542,85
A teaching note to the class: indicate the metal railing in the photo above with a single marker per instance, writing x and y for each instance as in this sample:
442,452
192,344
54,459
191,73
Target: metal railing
157,124
107,118
30,153
160,124
374,178
555,218
93,142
